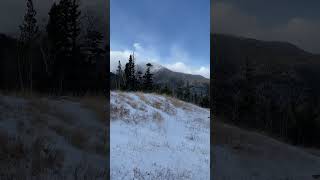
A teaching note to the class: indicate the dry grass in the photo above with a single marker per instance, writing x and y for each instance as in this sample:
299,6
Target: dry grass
124,95
142,97
40,109
157,104
97,104
118,112
20,159
180,104
39,159
156,116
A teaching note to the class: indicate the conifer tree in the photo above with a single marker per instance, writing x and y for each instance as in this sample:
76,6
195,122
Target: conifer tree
148,82
28,33
63,30
120,76
139,80
130,74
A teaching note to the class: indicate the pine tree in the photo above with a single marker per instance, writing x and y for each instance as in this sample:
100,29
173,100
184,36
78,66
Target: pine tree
166,90
28,33
74,25
139,80
93,45
130,74
63,30
148,82
247,106
187,92
120,76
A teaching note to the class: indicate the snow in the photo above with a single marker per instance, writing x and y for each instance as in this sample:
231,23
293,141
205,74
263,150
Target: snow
156,137
31,118
250,155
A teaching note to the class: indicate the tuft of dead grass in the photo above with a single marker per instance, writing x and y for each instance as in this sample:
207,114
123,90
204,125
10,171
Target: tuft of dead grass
157,105
156,116
180,104
39,109
142,97
98,104
118,112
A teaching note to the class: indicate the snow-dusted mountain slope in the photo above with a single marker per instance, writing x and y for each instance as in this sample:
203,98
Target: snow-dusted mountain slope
158,137
241,154
52,138
154,68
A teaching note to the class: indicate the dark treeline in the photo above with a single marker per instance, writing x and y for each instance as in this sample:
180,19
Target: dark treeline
129,80
68,55
132,79
268,98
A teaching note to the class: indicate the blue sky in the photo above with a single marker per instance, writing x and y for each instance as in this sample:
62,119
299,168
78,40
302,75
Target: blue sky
173,33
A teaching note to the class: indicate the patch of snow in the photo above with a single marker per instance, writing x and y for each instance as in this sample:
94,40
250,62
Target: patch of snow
173,145
261,157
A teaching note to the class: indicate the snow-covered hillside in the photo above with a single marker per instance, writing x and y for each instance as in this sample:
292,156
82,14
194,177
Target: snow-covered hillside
241,154
52,138
157,137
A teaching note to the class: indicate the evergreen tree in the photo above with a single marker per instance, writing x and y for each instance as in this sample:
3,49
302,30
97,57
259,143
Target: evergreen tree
247,101
28,33
130,74
74,25
120,76
29,29
63,30
93,45
148,82
187,92
139,80
166,90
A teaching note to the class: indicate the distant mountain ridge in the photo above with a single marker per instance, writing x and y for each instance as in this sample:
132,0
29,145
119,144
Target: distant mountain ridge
158,70
230,53
268,86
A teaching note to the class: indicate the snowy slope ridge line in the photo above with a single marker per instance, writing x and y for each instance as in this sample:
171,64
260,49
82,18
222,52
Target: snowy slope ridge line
251,155
158,137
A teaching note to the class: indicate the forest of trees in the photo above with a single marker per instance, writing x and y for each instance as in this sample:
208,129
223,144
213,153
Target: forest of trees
132,79
278,103
68,55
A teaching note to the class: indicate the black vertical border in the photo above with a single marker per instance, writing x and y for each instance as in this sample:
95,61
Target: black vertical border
211,90
107,90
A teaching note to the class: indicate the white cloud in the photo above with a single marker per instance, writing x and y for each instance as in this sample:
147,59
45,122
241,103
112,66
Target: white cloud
177,56
141,55
182,67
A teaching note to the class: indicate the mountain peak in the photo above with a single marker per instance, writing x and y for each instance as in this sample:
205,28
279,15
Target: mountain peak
154,69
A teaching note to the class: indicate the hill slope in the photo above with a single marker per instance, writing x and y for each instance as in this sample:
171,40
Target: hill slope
241,154
156,137
51,138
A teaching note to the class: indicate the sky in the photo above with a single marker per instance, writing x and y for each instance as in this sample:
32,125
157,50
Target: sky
12,12
293,21
174,34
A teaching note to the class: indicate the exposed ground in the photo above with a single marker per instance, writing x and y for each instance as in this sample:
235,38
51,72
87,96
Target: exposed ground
52,138
158,137
245,155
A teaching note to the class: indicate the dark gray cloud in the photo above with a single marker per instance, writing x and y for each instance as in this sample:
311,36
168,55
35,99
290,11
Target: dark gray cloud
12,11
296,28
